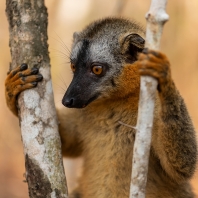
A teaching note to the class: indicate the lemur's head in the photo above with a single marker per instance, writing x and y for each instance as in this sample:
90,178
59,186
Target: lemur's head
98,56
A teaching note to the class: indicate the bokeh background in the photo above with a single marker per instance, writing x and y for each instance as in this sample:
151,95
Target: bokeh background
179,42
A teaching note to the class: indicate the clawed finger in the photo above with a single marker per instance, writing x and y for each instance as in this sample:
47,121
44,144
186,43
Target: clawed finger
19,88
24,74
153,55
22,67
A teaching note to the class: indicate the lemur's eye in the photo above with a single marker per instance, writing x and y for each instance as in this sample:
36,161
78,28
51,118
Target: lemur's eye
73,68
97,69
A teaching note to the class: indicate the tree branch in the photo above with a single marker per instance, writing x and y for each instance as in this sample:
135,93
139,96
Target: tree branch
37,114
156,17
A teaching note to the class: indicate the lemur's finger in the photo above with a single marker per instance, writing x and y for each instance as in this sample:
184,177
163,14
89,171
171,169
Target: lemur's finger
141,56
150,51
19,88
27,79
155,53
22,67
150,59
24,73
157,66
151,72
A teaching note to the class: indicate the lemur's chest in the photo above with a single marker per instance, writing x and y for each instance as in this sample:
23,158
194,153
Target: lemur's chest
105,135
108,156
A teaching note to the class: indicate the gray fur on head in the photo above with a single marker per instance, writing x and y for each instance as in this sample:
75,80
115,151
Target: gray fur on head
105,37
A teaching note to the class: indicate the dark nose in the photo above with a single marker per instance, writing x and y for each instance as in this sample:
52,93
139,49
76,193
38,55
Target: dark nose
68,102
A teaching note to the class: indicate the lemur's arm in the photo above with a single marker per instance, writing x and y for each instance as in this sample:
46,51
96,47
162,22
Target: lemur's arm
174,140
72,144
23,78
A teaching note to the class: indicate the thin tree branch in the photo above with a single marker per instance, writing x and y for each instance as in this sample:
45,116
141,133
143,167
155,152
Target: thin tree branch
156,17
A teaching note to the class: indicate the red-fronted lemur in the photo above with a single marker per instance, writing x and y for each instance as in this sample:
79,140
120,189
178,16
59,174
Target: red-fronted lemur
107,60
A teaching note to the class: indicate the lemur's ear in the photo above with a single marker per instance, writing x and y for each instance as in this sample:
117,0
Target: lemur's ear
136,40
130,40
131,44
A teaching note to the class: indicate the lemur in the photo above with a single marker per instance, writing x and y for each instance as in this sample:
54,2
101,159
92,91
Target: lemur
107,60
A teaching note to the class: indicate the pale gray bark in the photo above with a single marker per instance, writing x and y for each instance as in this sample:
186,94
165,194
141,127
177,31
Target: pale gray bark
37,114
156,17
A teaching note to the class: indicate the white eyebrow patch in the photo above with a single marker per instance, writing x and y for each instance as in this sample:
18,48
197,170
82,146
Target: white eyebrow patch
99,52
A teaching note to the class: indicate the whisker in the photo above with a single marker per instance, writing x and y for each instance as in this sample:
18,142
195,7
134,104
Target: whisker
62,43
63,81
63,63
60,87
59,51
60,55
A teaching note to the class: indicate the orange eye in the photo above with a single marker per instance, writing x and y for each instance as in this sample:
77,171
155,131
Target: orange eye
97,69
73,68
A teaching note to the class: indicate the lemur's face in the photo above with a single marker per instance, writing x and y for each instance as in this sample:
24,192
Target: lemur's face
93,68
96,63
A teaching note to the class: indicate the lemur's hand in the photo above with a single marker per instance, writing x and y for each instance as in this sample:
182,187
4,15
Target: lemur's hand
154,63
18,80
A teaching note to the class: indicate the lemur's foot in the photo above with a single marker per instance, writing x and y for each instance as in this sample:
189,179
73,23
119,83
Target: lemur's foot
154,63
18,80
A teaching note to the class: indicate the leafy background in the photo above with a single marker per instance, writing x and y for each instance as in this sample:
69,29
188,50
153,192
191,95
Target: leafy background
179,42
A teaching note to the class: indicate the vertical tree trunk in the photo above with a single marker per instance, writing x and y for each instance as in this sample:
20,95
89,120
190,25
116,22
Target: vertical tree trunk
37,115
156,17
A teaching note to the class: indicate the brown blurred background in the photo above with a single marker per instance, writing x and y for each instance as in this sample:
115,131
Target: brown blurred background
179,42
